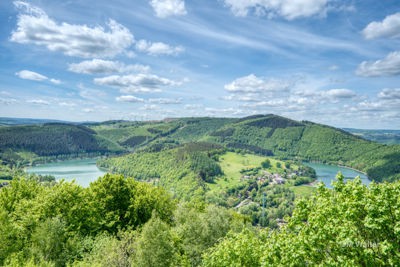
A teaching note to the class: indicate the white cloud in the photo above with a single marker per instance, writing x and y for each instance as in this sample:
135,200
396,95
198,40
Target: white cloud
129,98
389,94
35,27
158,48
389,66
144,83
166,101
30,75
100,66
288,9
254,84
298,95
388,28
339,93
34,76
166,8
55,81
38,102
66,104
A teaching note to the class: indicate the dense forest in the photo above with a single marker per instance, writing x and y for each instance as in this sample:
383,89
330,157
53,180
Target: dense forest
267,135
118,221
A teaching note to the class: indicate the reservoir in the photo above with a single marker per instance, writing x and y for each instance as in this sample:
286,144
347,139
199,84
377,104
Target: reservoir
83,171
327,173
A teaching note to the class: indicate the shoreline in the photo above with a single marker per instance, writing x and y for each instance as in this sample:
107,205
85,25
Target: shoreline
350,168
341,166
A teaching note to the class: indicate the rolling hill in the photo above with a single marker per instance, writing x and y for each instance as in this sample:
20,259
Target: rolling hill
268,135
18,143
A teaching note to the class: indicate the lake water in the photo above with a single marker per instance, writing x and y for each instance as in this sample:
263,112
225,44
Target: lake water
327,173
83,171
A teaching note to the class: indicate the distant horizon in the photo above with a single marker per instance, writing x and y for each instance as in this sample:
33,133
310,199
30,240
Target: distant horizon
168,118
334,62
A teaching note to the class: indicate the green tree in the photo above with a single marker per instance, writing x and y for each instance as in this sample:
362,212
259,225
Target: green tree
155,247
49,241
237,249
266,164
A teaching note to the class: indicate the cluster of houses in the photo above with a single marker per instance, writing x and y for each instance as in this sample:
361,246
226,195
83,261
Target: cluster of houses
274,178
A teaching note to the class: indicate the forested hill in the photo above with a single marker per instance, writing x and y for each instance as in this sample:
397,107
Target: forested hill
259,134
51,139
266,135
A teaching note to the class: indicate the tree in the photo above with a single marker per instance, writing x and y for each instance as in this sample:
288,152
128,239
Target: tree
350,225
155,247
49,241
266,164
240,249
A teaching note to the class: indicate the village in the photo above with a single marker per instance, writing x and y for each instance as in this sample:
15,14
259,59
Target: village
268,177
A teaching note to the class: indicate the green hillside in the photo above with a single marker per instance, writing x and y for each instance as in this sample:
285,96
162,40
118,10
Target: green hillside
208,172
54,139
267,135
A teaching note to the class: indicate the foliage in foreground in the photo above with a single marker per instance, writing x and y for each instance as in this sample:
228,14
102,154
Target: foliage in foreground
121,222
351,225
116,221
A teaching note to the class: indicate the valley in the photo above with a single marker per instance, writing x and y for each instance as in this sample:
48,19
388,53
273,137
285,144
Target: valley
232,177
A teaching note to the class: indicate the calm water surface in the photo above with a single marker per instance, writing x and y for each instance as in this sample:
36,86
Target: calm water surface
83,171
327,173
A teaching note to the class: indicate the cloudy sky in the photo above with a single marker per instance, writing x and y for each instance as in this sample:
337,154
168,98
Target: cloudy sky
329,61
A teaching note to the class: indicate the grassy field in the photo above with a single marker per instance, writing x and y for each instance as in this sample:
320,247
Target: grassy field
232,163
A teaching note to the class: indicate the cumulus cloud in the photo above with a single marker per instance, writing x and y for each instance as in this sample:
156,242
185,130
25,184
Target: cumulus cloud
389,94
297,95
166,8
388,28
158,48
288,9
34,76
129,98
389,66
145,83
100,66
35,27
254,84
30,75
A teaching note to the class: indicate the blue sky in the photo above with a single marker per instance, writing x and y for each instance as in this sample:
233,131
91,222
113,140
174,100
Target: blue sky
329,61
